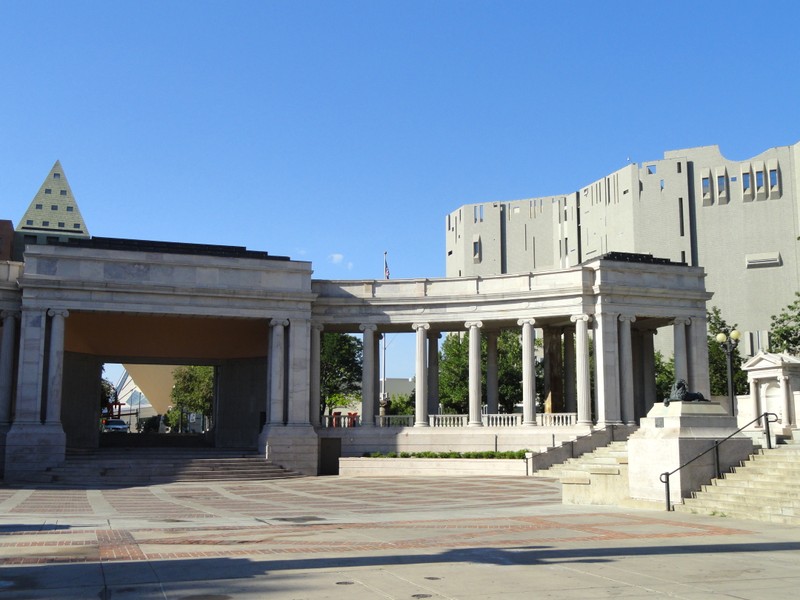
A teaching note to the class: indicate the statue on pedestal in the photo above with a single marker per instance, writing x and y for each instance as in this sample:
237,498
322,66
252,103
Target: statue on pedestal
679,392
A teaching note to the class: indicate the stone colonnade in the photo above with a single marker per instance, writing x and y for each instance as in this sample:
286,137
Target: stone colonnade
624,370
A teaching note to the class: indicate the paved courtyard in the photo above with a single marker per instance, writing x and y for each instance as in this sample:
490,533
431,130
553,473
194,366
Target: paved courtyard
403,538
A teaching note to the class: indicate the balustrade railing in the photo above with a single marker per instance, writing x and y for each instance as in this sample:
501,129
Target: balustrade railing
395,421
448,420
339,420
556,419
502,420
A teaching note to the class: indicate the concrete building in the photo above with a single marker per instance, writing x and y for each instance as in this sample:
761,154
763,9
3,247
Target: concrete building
258,320
739,220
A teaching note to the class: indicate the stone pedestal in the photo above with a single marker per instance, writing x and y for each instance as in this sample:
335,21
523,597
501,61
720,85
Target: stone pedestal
291,447
672,435
31,448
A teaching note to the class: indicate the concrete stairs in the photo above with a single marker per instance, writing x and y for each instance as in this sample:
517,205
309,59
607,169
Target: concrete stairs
766,487
147,466
606,460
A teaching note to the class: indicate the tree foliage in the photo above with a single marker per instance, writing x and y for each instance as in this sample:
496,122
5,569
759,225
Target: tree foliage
454,372
341,357
784,331
108,393
718,359
665,376
193,389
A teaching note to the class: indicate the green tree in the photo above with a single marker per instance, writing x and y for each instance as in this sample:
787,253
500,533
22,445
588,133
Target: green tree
454,373
193,389
402,404
341,358
108,393
665,376
784,331
718,359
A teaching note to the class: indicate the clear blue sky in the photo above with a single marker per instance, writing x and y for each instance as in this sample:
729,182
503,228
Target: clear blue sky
335,131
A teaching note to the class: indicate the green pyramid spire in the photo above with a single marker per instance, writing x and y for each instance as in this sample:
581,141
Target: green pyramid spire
53,210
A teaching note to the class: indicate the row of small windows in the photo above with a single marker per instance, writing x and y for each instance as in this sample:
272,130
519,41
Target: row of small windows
50,191
759,183
55,207
61,224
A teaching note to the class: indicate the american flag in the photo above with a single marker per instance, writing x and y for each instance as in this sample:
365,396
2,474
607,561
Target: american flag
385,267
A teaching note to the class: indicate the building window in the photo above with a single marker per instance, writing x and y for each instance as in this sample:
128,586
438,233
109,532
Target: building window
48,191
60,224
45,223
680,167
29,222
651,169
38,207
746,183
706,186
76,226
773,178
662,185
54,207
63,192
759,179
69,209
720,184
680,216
56,175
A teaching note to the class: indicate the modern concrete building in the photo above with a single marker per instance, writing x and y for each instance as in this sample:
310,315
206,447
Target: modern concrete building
738,219
258,320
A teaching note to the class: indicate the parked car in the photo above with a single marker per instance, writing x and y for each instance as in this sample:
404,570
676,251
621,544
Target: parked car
116,425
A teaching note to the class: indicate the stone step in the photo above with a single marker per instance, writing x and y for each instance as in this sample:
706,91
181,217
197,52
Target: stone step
750,485
736,512
750,496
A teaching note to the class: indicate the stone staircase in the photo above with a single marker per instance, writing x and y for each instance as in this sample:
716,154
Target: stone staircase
606,460
766,487
147,466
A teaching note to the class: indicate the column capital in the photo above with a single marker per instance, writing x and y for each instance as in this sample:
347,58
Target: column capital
530,321
681,320
630,318
471,324
368,327
10,314
279,323
58,312
584,318
698,319
317,326
418,326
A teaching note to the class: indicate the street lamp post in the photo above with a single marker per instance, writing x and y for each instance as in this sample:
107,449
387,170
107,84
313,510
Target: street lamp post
729,339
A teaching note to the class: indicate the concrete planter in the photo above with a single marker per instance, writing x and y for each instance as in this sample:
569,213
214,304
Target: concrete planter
438,467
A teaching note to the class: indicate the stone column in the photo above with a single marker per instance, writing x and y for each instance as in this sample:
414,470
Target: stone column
298,393
29,379
755,392
570,398
697,351
7,363
421,379
314,383
277,387
492,391
433,372
681,354
528,373
786,398
376,404
648,371
582,380
368,375
55,371
607,360
474,328
626,370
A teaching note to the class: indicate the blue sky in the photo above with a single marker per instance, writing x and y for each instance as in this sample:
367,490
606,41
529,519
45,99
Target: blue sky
335,131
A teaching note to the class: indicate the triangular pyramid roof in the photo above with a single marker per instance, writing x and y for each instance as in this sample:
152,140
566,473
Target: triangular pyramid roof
54,209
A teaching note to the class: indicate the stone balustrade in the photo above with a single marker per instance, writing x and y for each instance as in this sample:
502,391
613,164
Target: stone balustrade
452,421
557,419
395,421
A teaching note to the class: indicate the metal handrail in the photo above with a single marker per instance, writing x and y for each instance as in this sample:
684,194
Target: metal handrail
664,477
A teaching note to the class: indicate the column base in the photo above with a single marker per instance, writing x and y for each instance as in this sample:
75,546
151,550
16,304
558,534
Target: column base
291,447
31,448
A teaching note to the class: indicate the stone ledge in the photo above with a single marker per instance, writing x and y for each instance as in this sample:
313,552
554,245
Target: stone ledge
435,467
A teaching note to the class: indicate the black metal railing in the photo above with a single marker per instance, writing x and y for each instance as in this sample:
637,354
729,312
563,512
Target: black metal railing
664,477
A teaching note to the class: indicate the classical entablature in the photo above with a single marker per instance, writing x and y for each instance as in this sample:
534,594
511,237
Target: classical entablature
259,319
